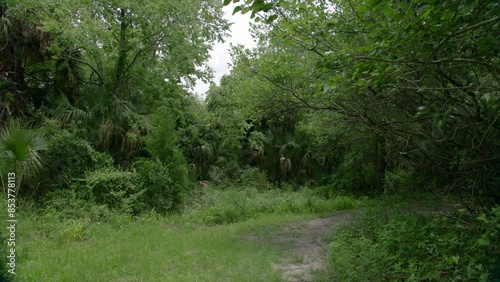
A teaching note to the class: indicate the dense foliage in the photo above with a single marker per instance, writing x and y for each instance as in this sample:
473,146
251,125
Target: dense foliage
368,96
102,86
401,92
391,245
348,96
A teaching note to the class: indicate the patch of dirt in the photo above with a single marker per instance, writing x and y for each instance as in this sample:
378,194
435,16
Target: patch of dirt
306,245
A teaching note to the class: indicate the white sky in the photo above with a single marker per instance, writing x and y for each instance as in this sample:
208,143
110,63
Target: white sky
220,58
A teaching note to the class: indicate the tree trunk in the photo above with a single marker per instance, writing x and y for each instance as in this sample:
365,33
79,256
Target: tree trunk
380,163
122,56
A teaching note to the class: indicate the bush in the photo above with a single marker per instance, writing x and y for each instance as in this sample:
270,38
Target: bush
392,246
234,205
20,152
68,157
161,193
73,204
161,143
328,191
254,177
399,181
118,190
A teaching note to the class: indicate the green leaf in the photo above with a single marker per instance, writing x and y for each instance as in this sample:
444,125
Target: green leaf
271,19
422,9
482,218
237,9
447,15
355,74
388,10
483,241
421,89
267,7
362,9
226,2
453,260
468,7
257,6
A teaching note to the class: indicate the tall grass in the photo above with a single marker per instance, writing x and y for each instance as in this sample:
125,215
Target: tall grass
206,242
145,249
237,204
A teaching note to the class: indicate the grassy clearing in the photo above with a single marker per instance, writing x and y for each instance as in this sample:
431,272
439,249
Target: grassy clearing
204,243
148,249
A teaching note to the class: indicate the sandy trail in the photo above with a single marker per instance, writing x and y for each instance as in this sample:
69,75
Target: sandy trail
306,246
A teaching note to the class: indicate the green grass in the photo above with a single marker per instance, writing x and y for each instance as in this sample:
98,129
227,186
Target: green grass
228,206
206,242
152,249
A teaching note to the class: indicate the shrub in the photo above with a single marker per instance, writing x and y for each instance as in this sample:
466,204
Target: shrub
392,246
329,192
20,152
75,230
161,193
118,190
74,204
161,143
238,204
398,181
254,177
69,157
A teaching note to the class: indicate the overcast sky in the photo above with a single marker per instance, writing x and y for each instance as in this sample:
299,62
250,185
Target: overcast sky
239,34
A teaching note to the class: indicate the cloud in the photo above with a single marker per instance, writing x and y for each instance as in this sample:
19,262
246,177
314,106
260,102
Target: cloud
220,58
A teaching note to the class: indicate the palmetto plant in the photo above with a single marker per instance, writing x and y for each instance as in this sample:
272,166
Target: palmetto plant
20,148
23,60
108,122
208,159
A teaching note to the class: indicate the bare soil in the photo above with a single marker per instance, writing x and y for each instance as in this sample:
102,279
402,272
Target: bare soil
306,245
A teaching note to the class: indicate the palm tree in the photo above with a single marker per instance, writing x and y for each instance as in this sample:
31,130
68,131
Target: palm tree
20,148
107,122
23,54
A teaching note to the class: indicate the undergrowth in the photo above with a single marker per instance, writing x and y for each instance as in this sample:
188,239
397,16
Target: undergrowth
215,206
393,244
69,239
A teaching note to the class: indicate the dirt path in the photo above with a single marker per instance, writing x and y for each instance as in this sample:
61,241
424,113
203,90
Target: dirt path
306,245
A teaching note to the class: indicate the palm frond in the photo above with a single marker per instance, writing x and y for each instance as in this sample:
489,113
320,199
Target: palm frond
20,148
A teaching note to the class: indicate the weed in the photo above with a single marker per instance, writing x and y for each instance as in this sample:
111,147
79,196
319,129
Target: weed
235,204
390,245
297,259
64,242
75,231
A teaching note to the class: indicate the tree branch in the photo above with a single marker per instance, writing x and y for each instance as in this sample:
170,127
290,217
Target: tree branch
462,31
93,69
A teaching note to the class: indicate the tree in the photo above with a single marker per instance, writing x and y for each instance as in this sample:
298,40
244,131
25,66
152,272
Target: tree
116,61
420,78
23,55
